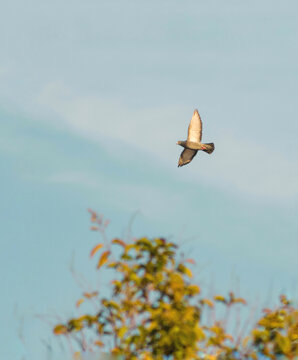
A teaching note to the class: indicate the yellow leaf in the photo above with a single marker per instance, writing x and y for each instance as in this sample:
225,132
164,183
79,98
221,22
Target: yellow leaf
188,272
200,333
79,302
153,325
207,302
147,356
112,264
95,249
219,298
245,341
77,355
122,332
115,351
194,289
119,242
103,259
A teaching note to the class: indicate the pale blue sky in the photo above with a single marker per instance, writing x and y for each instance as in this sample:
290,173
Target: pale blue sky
94,96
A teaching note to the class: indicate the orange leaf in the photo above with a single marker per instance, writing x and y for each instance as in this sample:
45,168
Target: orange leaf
229,337
94,228
240,300
60,329
103,259
119,242
267,311
90,295
95,249
93,215
98,343
79,302
191,261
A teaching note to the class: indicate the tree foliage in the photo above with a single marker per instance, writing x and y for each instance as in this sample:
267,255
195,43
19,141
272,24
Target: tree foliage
155,310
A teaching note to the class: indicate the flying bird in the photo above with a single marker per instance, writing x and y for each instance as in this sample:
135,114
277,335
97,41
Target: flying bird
193,143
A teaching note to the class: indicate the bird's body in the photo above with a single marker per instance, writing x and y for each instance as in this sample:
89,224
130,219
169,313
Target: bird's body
193,143
196,146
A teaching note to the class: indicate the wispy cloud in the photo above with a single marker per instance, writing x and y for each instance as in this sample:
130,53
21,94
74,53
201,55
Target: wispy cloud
74,178
3,71
253,168
109,121
153,201
238,164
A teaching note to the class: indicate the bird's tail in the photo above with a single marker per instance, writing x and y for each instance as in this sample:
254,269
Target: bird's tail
209,148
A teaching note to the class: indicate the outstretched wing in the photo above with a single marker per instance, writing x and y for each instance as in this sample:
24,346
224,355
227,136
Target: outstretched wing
195,128
186,156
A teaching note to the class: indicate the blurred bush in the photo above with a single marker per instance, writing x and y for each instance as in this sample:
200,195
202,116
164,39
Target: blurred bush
155,311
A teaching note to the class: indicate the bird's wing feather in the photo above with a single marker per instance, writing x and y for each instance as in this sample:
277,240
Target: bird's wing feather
186,156
195,128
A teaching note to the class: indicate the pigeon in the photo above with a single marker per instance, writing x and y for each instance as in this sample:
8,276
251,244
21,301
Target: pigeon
193,143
